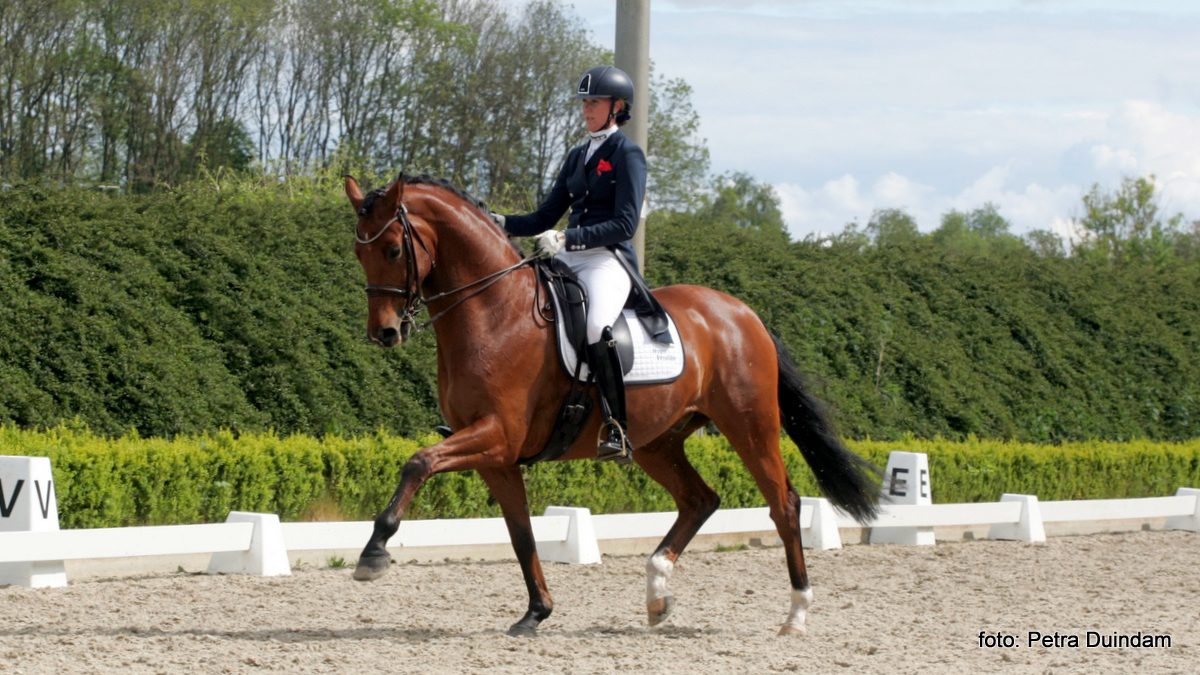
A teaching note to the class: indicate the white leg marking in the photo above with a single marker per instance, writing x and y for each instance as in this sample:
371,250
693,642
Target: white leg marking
800,602
658,572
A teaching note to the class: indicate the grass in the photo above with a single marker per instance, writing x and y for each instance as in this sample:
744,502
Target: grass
722,548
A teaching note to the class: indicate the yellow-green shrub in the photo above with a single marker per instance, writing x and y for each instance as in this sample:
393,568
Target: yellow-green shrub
107,482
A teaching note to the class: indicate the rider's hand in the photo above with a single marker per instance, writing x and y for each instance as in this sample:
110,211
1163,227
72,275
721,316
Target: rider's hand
550,242
498,219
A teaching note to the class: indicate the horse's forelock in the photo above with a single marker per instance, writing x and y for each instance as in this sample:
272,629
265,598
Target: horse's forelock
369,201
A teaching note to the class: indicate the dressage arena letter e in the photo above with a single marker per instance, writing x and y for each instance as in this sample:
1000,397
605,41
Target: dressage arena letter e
901,481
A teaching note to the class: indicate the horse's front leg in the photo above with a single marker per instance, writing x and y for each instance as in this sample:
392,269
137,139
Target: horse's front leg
508,487
478,446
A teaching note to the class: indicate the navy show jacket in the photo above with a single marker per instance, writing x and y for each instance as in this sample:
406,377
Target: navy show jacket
604,195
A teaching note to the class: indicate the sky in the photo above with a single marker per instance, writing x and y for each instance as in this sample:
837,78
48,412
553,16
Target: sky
932,105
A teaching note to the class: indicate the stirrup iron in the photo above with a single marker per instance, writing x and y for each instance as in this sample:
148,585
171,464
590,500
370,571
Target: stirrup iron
616,447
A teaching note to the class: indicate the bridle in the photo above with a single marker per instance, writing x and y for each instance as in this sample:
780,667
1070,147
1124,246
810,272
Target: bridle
414,301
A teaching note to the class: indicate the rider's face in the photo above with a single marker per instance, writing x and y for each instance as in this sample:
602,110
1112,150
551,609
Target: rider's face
595,113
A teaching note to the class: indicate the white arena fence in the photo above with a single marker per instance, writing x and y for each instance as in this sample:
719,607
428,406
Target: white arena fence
254,543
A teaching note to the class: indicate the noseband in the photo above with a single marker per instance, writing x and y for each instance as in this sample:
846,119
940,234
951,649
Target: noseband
413,300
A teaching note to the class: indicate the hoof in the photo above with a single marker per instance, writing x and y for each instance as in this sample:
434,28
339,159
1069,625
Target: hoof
521,630
371,568
789,629
659,610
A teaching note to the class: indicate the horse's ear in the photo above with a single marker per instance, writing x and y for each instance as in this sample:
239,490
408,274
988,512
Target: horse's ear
395,192
353,192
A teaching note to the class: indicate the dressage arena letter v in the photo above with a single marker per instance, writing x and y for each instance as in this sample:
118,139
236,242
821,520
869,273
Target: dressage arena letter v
44,497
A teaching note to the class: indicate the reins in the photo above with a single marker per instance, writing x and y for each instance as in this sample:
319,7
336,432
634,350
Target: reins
413,300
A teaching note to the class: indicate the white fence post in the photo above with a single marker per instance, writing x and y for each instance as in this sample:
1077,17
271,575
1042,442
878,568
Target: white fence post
1190,523
905,481
267,555
824,535
28,504
1028,528
580,546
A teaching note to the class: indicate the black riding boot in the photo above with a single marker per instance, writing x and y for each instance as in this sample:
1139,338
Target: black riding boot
606,368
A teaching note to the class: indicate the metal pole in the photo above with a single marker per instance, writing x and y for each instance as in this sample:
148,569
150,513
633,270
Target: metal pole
632,55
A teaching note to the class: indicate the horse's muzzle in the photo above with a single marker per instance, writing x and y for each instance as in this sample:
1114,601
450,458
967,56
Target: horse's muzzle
388,336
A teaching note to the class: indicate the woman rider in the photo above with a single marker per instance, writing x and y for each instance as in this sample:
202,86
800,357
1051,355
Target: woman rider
602,182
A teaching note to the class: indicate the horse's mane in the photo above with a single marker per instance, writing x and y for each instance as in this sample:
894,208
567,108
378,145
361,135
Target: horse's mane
425,179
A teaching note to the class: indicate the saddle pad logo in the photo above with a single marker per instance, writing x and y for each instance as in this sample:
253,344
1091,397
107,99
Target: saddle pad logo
653,361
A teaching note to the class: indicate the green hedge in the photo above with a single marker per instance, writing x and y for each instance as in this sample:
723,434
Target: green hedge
226,304
133,481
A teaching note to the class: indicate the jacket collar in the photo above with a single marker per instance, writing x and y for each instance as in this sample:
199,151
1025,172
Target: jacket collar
605,150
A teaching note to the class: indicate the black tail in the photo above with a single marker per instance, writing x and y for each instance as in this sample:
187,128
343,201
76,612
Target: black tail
847,480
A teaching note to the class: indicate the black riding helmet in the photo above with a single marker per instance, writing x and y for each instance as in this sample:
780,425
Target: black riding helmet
607,82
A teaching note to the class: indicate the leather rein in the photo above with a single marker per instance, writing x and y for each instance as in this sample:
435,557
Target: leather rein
414,301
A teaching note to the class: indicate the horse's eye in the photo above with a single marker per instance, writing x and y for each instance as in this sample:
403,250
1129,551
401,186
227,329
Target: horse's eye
393,253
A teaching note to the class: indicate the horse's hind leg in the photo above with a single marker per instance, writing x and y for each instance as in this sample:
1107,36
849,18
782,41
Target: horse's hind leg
508,487
665,461
757,443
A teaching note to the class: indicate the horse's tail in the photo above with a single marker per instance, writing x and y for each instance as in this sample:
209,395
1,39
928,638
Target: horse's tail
847,480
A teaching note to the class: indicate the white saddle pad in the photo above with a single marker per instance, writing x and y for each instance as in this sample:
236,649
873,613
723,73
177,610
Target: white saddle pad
653,362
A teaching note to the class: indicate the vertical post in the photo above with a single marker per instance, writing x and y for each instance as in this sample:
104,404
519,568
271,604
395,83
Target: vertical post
905,481
632,55
28,504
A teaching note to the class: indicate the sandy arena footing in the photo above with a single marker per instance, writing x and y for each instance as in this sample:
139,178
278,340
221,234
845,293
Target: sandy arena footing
877,609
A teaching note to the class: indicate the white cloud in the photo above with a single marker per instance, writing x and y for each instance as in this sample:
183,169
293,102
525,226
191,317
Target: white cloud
825,210
1122,159
1136,138
932,105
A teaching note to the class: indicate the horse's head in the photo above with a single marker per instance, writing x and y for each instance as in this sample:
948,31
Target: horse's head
393,250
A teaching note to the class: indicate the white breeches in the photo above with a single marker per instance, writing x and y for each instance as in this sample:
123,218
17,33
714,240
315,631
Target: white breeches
607,285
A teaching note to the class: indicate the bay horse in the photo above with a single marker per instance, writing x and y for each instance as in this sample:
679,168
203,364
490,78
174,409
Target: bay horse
421,240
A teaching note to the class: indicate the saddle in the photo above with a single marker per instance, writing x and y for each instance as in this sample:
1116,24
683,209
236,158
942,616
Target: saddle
646,340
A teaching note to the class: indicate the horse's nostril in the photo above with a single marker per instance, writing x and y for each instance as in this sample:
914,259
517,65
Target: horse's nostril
388,336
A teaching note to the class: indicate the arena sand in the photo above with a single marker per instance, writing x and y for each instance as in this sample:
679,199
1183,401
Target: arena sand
878,609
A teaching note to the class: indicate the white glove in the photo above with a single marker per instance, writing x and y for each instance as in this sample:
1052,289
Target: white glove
499,219
550,243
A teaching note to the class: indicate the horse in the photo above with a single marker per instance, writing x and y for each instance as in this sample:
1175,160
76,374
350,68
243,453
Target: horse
423,241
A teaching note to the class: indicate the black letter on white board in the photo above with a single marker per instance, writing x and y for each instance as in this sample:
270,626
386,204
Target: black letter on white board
897,480
6,508
49,497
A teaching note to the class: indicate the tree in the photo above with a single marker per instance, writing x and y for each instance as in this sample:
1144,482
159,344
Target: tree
737,200
677,158
1045,243
1125,225
892,227
978,232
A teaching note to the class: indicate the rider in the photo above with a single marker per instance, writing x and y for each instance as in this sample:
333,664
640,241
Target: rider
603,182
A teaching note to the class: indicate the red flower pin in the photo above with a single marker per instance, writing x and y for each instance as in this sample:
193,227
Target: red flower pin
603,167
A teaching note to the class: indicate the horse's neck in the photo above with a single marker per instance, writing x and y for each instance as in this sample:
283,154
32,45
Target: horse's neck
468,252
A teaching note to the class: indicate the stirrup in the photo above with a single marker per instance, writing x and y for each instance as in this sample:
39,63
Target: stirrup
618,449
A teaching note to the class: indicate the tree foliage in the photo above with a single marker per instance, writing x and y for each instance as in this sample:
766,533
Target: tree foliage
144,95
